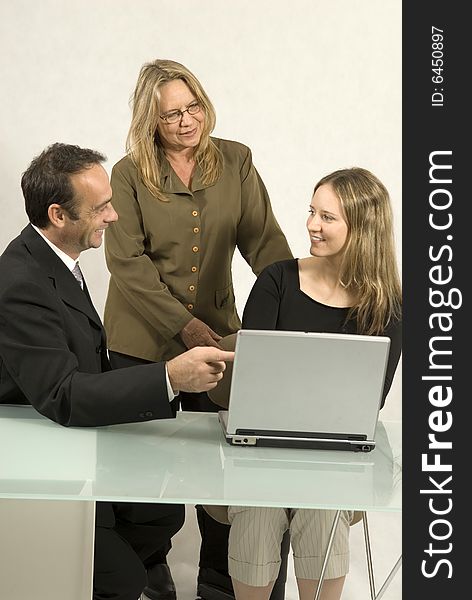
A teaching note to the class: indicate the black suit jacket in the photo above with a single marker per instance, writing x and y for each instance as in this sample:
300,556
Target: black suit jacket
53,347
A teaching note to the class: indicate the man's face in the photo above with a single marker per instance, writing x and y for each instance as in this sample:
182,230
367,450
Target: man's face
93,193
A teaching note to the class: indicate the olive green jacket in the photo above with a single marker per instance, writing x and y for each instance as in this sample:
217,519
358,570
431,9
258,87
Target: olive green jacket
171,261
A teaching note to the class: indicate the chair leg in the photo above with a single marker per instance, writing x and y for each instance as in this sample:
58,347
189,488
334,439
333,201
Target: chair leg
368,552
327,553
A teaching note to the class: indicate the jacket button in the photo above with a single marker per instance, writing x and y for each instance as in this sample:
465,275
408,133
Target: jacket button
196,229
195,249
191,288
194,269
190,306
194,213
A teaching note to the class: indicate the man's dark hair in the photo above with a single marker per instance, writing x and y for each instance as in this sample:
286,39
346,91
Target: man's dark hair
47,180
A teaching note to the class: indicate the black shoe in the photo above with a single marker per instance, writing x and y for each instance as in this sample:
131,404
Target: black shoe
160,584
214,585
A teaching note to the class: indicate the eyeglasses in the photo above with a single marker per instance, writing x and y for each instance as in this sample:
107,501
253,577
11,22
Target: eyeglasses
176,115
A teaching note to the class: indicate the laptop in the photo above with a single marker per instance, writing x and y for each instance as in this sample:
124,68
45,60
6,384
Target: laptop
305,390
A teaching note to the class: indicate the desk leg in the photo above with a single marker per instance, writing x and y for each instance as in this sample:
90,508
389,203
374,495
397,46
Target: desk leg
389,578
370,568
327,554
89,562
46,549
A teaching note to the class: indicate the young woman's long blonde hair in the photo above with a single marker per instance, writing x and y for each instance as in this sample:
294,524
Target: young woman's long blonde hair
369,267
143,144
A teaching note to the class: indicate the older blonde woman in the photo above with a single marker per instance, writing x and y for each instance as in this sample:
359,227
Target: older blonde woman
185,202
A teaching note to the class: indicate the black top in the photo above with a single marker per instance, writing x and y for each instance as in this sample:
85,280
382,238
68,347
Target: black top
277,302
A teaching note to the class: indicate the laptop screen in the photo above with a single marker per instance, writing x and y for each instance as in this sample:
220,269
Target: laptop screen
298,384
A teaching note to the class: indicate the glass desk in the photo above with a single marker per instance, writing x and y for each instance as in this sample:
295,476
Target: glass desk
187,460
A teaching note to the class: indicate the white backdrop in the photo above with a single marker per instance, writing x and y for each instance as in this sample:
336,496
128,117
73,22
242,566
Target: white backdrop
309,85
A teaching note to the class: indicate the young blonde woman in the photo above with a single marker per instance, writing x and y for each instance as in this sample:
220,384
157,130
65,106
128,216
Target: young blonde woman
348,284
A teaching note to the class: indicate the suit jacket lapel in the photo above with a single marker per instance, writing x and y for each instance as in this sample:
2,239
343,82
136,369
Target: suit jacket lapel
62,279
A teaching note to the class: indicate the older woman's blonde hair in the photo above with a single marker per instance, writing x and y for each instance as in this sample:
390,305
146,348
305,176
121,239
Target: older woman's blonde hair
143,145
369,267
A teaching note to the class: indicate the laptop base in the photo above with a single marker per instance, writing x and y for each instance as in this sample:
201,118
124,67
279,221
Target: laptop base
286,441
307,443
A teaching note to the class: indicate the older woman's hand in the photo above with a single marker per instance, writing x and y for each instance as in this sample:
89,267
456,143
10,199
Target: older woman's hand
197,333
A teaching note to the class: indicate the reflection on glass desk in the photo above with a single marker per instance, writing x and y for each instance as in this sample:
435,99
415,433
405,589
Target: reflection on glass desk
187,460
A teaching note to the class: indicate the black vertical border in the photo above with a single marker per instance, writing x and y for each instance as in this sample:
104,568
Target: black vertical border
431,128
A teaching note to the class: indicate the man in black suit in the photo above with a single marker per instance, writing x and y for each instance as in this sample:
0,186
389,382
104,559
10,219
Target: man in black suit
53,351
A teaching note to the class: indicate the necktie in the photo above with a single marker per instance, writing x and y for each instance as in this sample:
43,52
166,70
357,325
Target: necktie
77,273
